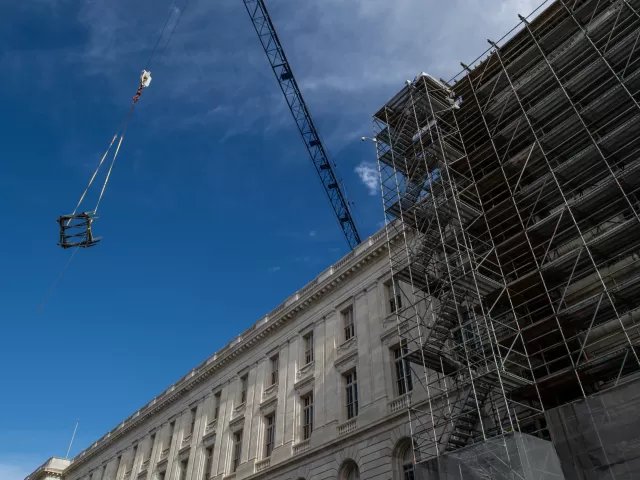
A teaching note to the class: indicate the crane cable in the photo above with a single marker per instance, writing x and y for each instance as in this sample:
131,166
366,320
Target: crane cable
125,121
122,127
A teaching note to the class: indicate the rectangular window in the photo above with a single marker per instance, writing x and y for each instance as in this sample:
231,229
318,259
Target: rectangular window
192,428
307,416
270,434
347,320
237,450
351,382
161,475
308,348
152,440
395,301
172,427
133,456
274,369
216,405
404,383
244,382
183,469
208,463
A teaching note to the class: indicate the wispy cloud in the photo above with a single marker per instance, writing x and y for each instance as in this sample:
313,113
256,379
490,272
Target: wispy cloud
313,233
215,56
274,269
368,174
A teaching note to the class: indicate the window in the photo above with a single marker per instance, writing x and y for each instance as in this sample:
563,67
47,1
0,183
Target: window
351,381
237,450
349,471
308,348
347,320
407,464
244,380
274,369
161,475
208,463
395,301
152,440
172,427
133,457
192,428
183,470
216,405
270,434
307,416
404,383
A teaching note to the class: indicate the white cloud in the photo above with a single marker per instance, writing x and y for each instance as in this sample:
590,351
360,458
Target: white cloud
274,269
12,472
348,57
368,174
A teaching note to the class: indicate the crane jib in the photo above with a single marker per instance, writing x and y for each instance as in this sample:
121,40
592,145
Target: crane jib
283,73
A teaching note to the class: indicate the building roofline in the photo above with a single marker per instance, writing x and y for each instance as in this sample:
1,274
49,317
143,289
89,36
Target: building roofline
323,283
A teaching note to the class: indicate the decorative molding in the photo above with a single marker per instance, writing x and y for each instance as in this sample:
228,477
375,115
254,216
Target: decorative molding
303,386
388,336
239,410
346,362
372,285
321,286
307,329
346,346
399,403
209,439
301,447
270,391
237,423
347,427
269,406
184,451
211,425
306,370
263,464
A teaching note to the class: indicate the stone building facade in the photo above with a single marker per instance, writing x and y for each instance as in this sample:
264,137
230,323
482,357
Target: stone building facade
314,390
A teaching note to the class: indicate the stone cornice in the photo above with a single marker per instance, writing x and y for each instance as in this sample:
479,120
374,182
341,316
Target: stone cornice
346,361
325,283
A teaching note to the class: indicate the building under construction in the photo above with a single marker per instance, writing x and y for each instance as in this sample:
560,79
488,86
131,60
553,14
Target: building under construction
514,188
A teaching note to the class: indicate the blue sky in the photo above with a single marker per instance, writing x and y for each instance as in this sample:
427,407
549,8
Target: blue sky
213,214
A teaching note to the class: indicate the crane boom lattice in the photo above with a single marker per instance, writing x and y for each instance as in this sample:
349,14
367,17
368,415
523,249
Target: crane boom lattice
282,70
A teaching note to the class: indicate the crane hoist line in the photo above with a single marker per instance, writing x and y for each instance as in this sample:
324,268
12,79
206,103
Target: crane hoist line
76,228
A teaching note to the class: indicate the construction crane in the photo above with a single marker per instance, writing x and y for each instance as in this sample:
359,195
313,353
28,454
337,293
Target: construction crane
282,70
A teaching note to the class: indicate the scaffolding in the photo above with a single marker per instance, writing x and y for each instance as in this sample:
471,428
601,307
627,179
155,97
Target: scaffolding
514,191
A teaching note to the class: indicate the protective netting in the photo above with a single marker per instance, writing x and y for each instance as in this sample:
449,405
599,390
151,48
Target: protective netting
599,437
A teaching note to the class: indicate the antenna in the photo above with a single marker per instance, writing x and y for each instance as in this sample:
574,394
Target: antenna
72,437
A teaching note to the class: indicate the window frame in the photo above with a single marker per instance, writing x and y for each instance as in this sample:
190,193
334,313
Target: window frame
237,451
307,415
216,405
394,302
244,388
192,426
208,463
402,370
308,348
275,369
184,465
351,389
269,434
348,323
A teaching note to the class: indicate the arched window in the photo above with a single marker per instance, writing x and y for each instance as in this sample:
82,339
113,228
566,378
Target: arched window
407,464
349,471
403,460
